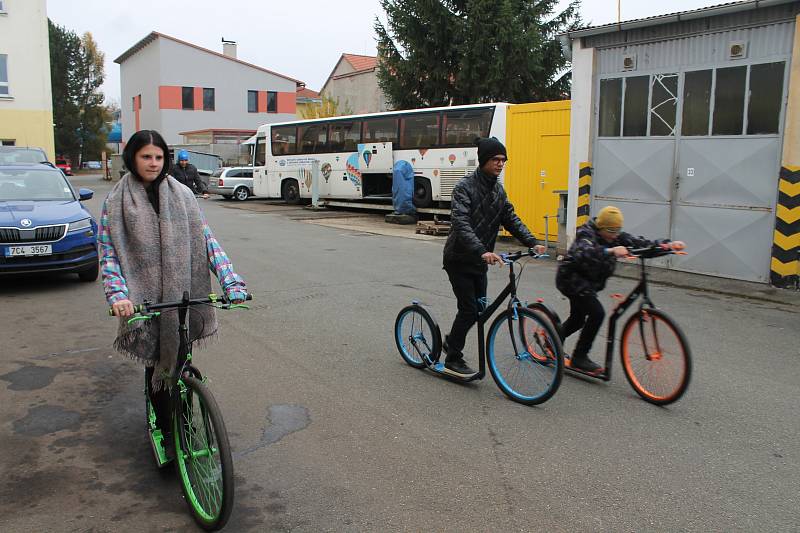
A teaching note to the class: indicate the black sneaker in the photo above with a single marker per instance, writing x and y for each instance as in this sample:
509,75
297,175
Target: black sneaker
585,364
458,366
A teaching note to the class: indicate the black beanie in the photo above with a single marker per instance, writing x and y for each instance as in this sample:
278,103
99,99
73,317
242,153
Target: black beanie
488,148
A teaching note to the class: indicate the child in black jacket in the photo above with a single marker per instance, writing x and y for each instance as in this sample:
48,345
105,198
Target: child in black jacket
589,262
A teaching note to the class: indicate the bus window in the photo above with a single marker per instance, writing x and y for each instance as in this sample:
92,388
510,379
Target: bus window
420,130
261,152
380,130
462,127
284,140
313,138
345,136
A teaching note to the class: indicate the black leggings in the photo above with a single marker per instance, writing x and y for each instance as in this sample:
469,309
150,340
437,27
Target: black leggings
587,310
160,401
468,288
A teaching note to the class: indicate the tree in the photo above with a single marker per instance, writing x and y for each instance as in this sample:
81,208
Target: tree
327,108
448,52
77,72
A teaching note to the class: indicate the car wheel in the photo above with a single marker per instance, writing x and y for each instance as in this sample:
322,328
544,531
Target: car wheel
241,194
422,193
91,273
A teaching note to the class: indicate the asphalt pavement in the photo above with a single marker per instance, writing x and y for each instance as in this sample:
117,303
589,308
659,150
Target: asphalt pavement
332,431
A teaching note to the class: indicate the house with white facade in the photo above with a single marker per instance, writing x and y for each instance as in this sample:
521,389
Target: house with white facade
353,83
26,98
173,86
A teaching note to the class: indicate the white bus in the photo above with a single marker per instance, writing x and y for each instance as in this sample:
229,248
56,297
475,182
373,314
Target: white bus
357,153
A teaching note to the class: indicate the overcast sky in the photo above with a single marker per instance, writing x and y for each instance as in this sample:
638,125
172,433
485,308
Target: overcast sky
302,40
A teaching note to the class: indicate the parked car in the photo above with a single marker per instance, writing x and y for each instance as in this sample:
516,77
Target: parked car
232,182
65,167
15,155
43,225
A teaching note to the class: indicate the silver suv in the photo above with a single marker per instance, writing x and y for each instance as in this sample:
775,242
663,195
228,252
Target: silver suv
232,182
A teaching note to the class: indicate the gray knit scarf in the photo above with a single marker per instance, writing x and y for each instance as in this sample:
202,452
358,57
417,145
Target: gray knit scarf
161,255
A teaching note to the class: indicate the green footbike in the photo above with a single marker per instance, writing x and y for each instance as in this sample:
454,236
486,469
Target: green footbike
199,441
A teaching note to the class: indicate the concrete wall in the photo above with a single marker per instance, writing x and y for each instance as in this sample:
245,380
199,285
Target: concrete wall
360,92
165,62
581,127
791,135
26,113
183,65
139,75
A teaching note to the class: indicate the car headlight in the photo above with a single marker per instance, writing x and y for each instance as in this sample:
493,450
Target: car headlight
79,225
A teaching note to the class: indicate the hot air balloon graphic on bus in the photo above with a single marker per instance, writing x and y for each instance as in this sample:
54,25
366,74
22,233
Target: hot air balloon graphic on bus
352,171
367,155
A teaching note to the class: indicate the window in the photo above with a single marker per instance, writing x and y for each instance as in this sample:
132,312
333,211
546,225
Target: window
729,101
634,123
344,136
663,104
3,74
252,101
261,152
246,173
208,99
766,89
380,130
2,6
187,97
8,142
462,127
610,107
419,130
284,140
696,102
272,102
313,138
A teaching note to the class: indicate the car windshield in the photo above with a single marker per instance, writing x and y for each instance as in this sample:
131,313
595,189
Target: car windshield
32,184
16,156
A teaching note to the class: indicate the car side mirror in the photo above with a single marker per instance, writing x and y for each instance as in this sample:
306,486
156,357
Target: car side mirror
85,194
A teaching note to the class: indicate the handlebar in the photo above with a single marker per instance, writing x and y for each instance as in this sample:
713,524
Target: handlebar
519,254
651,252
147,307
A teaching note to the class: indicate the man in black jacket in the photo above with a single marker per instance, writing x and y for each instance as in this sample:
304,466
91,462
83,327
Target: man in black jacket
478,206
187,174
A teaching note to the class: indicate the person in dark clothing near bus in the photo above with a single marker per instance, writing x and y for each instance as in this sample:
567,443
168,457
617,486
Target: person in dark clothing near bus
479,206
583,273
187,174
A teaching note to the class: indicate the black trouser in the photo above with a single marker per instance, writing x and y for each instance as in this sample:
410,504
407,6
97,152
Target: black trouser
468,287
160,401
584,309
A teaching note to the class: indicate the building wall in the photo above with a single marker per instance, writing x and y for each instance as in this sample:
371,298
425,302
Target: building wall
139,76
183,65
26,113
358,92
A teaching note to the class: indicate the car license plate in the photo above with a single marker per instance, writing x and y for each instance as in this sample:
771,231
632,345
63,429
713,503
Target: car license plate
33,249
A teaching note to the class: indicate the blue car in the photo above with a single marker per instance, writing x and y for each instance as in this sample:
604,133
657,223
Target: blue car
43,226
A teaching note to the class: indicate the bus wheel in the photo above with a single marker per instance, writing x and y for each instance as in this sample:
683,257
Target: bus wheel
290,192
422,193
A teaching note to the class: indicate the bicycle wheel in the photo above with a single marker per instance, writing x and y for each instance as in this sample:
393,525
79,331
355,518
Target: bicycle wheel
417,336
548,315
203,455
525,356
655,356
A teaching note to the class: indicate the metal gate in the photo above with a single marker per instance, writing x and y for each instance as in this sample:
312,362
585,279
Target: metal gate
693,154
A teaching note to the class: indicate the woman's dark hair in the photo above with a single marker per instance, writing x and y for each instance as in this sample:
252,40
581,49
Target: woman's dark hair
139,140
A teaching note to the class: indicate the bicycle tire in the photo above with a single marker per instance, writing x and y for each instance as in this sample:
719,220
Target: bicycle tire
506,362
648,359
417,336
547,314
204,470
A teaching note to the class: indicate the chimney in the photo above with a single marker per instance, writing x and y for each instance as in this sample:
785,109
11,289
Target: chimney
229,48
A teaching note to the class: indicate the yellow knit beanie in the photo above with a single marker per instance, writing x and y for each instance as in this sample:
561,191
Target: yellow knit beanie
609,217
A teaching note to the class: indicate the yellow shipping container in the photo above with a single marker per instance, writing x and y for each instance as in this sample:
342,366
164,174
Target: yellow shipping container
537,139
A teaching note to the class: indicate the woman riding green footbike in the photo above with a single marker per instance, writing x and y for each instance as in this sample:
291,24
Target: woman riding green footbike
157,247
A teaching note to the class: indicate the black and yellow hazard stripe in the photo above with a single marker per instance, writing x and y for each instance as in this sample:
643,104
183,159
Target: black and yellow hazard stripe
785,266
584,192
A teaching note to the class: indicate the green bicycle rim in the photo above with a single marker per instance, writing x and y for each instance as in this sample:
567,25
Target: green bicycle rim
183,457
